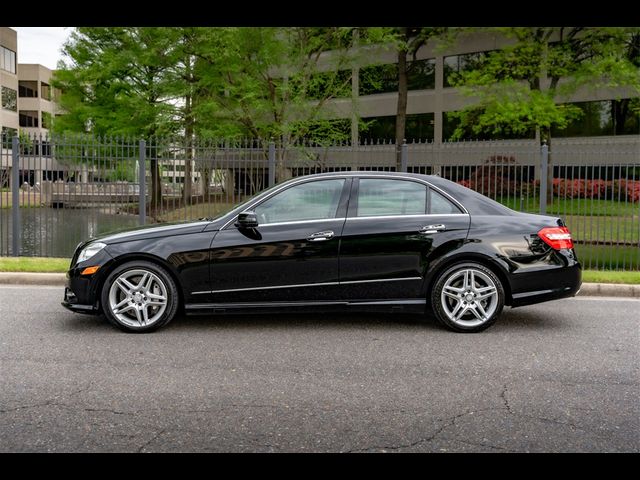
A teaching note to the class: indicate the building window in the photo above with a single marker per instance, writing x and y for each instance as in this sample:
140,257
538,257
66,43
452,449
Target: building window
456,64
7,135
379,79
27,89
45,91
422,75
9,99
450,122
7,59
419,127
28,118
606,117
378,128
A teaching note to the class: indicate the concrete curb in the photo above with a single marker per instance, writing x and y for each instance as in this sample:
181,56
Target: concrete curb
609,290
27,278
58,279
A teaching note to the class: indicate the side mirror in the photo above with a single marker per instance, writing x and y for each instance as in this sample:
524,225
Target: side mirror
247,220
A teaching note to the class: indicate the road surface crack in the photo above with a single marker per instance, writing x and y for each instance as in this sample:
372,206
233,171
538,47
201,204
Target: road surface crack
147,443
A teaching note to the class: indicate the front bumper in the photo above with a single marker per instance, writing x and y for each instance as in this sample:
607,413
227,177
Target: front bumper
82,292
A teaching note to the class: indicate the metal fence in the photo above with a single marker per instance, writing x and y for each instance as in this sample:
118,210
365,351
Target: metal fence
66,189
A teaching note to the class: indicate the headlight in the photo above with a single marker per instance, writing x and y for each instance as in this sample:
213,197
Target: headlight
90,250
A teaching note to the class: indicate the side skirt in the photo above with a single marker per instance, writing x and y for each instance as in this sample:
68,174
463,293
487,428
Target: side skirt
409,306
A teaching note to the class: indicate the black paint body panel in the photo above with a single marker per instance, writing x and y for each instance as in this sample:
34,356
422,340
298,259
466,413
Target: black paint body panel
375,263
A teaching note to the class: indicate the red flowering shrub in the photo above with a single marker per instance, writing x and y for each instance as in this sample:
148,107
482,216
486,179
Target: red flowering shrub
630,188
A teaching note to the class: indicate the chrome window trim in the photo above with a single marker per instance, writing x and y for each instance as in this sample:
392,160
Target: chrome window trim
276,191
298,222
421,215
424,182
305,285
353,175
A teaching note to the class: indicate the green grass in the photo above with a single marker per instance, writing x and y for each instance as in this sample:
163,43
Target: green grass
34,264
607,257
595,276
574,206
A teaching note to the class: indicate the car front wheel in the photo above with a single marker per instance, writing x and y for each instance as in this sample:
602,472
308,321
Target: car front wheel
139,297
467,297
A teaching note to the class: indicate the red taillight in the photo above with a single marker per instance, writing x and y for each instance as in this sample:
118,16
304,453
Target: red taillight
556,237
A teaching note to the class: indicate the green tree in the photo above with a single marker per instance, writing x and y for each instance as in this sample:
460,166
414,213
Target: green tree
520,87
273,83
116,81
407,41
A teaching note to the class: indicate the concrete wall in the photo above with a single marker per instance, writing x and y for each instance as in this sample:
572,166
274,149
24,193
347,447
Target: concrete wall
9,39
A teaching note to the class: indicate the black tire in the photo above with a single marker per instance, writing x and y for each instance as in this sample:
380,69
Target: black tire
161,275
468,323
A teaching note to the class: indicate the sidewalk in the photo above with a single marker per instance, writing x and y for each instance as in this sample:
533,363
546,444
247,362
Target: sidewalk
58,279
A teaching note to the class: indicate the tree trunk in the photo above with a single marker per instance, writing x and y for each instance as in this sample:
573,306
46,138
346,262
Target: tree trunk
401,114
546,135
156,187
188,132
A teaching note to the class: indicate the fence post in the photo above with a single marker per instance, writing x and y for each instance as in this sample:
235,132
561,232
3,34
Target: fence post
404,156
15,196
142,181
544,166
272,163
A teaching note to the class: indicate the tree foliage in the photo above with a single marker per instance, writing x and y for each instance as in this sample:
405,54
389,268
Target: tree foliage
523,86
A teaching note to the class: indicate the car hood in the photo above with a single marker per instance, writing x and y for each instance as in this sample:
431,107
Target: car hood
152,231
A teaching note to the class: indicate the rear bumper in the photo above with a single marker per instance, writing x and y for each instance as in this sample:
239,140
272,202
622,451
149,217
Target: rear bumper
548,284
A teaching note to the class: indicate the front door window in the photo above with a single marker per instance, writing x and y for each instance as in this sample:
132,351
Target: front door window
308,201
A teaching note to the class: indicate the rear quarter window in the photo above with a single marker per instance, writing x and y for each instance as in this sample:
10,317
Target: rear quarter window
440,205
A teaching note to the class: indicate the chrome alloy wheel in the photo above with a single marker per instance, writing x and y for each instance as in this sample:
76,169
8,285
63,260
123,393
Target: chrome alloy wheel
138,298
469,297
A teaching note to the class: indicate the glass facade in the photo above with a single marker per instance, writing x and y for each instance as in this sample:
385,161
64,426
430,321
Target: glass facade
450,122
384,78
418,127
606,117
7,59
9,99
455,64
422,75
379,79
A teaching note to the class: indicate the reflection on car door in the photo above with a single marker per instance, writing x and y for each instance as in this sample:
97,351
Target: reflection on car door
393,228
293,253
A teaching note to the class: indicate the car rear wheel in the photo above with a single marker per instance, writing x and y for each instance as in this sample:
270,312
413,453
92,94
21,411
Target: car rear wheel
467,297
139,297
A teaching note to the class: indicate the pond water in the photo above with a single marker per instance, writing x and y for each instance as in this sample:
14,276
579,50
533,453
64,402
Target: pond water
51,232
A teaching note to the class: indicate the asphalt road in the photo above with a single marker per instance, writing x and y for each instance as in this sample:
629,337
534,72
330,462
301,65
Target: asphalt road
561,376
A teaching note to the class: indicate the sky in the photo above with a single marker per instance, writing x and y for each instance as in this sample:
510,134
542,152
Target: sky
41,44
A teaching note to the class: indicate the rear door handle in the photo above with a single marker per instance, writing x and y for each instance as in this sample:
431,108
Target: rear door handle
320,236
432,229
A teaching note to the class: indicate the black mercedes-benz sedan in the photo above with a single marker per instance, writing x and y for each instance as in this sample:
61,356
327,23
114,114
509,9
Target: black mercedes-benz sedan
335,241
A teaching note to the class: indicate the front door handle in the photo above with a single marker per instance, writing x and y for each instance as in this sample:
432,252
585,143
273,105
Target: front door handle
432,229
320,236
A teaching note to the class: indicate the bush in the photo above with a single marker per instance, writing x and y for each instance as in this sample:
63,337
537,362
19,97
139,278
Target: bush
492,186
